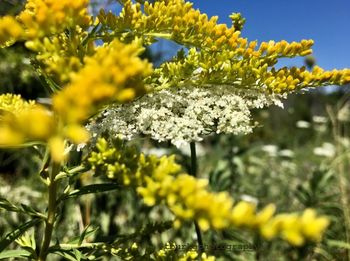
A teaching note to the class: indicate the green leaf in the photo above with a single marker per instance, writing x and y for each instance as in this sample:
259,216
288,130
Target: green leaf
14,253
27,242
338,244
87,233
95,188
73,254
323,253
12,236
25,209
7,205
68,255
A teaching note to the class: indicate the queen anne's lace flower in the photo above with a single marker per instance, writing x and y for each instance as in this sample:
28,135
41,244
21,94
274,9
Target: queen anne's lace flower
183,115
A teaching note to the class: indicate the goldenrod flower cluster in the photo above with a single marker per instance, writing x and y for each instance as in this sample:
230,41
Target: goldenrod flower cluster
14,103
19,121
135,252
46,17
61,56
42,25
161,180
219,52
127,166
113,73
10,30
294,78
24,122
43,18
202,68
295,228
16,129
190,255
193,255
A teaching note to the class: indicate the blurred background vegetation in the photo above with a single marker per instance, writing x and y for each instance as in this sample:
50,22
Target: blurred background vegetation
297,157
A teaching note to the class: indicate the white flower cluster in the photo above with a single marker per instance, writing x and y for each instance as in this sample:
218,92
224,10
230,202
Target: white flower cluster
182,115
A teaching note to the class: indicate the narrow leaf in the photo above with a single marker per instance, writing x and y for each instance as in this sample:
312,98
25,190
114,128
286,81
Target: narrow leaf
12,236
14,253
85,234
25,209
95,188
338,244
7,205
88,231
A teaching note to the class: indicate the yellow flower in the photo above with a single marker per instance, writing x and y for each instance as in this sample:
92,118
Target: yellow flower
9,138
59,55
14,103
243,214
46,17
32,124
265,214
10,30
113,73
57,146
22,122
161,181
204,257
312,226
269,230
76,133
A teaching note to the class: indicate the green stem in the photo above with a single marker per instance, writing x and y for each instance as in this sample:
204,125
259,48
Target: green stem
341,174
51,212
194,174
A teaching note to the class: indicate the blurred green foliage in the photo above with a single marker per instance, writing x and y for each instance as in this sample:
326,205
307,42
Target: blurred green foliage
10,6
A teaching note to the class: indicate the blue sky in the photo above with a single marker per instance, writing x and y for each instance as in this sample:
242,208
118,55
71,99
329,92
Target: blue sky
326,22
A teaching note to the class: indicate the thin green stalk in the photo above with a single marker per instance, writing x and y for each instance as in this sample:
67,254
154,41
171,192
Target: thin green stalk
51,212
194,174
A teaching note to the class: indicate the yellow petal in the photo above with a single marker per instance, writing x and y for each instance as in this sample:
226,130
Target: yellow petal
56,145
77,134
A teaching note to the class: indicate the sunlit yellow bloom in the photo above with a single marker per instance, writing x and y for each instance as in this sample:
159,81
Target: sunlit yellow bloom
189,255
10,29
22,122
161,181
313,226
14,103
57,146
76,133
170,252
45,17
33,124
218,54
243,214
59,55
265,214
8,137
113,73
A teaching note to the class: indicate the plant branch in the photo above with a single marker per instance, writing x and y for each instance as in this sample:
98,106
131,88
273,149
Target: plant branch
51,212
